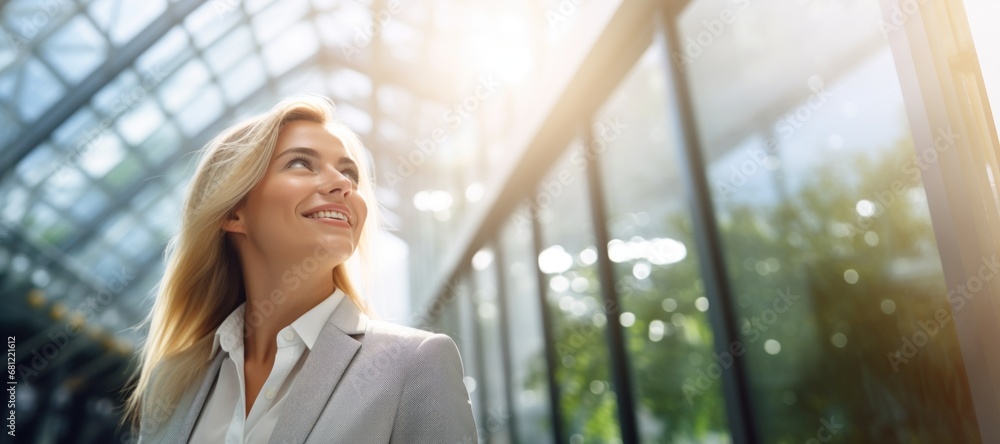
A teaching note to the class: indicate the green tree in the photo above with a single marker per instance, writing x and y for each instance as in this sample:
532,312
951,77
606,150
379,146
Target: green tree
861,285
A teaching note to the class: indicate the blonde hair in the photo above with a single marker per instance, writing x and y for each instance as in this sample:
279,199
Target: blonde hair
203,280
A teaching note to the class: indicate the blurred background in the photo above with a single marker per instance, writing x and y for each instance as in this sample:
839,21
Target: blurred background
641,221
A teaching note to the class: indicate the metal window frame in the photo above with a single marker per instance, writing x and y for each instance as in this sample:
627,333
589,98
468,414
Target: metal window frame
479,333
503,322
618,355
722,315
548,331
943,90
37,132
471,310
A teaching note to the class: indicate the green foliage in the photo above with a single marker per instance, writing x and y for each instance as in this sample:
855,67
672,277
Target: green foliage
837,337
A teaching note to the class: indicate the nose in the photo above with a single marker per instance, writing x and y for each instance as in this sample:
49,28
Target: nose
335,182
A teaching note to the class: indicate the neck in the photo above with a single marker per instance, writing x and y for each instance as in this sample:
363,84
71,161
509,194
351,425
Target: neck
277,294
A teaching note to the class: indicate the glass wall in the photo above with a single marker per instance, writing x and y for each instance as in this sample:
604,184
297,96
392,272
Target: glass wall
530,389
656,268
493,419
836,278
580,316
842,319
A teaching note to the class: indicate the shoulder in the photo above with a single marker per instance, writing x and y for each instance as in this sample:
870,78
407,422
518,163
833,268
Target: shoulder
409,342
416,362
390,331
433,404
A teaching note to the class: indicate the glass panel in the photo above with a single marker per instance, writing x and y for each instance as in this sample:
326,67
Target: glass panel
403,42
104,155
493,420
92,202
981,15
395,101
560,19
78,130
37,165
294,45
359,121
75,49
348,84
44,224
391,133
579,315
460,297
201,112
123,19
337,29
161,144
137,124
63,188
167,53
182,86
210,21
254,6
137,243
229,49
13,202
108,263
446,320
108,101
306,81
125,173
9,128
531,389
38,94
146,196
92,249
8,53
28,20
179,174
8,81
827,237
145,287
275,20
246,78
118,226
162,216
657,272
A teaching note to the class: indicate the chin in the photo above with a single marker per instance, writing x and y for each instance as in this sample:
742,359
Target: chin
335,252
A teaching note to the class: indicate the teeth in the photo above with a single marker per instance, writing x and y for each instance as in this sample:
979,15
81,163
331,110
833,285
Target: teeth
328,214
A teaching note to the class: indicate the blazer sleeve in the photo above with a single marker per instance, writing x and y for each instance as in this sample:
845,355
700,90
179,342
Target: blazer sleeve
434,405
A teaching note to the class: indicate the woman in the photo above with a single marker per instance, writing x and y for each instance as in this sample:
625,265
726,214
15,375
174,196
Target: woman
257,333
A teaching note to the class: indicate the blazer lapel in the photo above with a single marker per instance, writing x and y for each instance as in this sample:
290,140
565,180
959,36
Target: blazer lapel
190,412
333,351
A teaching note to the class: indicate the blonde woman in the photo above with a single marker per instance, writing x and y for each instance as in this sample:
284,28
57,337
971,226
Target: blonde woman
257,334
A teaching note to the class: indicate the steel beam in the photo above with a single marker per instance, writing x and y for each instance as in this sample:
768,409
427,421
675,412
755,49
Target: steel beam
79,95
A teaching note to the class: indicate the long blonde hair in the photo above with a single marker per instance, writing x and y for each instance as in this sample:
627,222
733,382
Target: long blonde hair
203,280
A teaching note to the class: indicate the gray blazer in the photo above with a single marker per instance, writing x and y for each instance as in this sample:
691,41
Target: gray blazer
364,381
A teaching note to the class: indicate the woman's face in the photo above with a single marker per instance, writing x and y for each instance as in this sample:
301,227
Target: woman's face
298,209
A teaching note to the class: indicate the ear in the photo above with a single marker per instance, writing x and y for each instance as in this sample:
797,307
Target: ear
235,222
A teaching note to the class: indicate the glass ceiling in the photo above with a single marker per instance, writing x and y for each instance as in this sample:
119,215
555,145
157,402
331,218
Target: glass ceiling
102,104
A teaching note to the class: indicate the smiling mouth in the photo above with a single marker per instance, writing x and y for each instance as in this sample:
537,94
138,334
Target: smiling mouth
328,216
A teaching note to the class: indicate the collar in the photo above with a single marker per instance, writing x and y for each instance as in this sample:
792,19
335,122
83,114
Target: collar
229,334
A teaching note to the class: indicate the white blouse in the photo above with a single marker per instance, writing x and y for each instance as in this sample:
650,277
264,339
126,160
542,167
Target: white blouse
223,417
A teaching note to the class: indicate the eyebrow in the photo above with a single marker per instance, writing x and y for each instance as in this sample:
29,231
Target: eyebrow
313,153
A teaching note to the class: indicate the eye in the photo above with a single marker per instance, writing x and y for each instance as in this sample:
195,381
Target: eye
353,174
298,160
